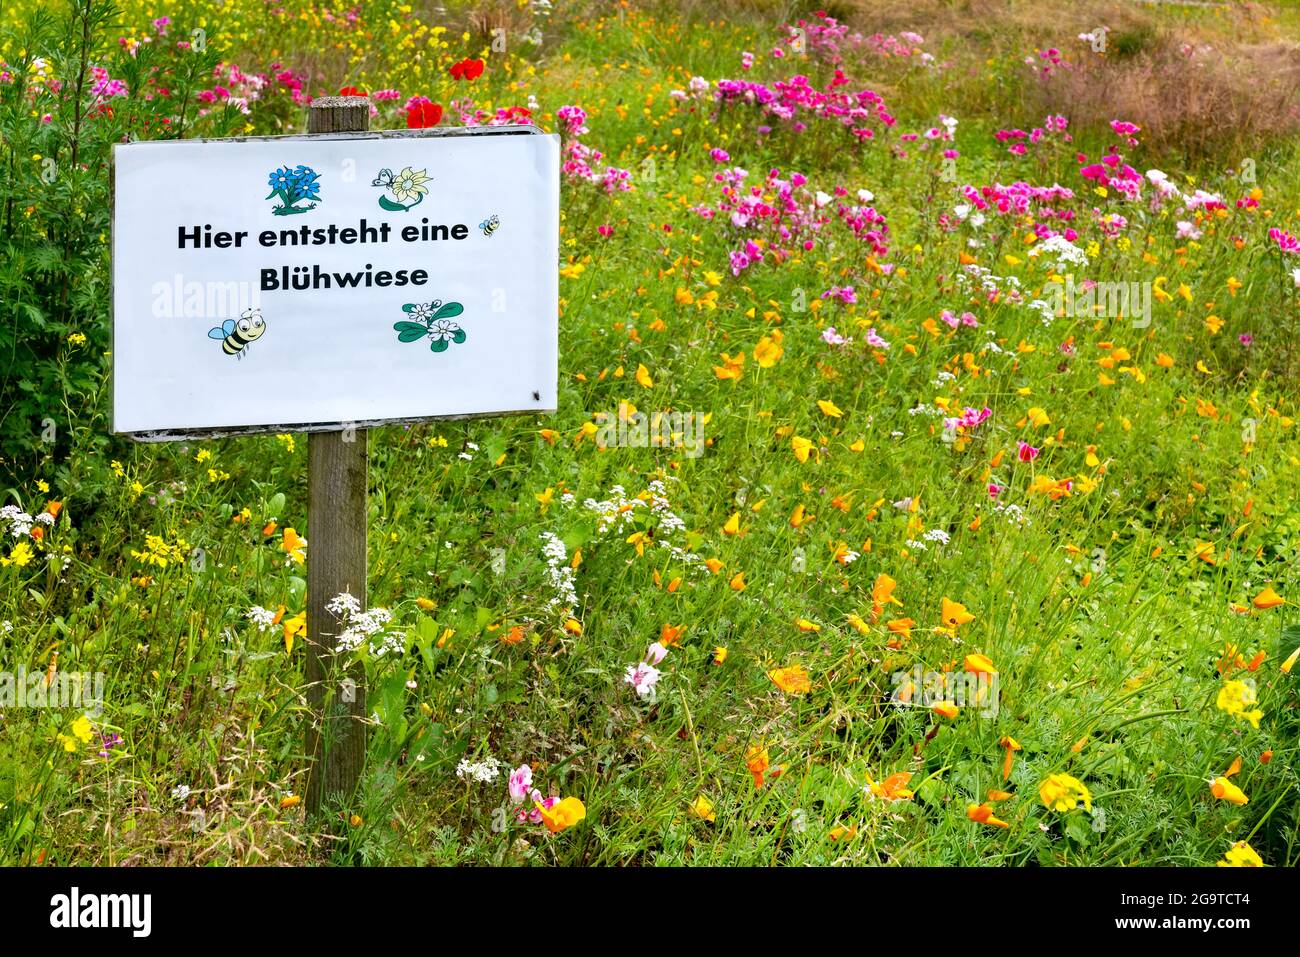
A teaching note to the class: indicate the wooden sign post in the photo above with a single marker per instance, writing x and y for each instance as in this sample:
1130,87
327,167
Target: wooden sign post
336,533
390,277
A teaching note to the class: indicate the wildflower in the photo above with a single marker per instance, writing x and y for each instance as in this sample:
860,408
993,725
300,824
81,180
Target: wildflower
1012,746
1236,698
1241,854
520,783
954,614
792,679
1061,793
642,677
802,448
980,664
1268,598
983,814
294,546
422,114
719,655
702,807
769,349
757,761
945,709
1225,790
893,788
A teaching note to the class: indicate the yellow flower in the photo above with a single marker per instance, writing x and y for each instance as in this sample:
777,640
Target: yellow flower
792,680
294,546
565,813
21,556
829,408
1225,790
1241,854
980,664
1268,598
893,788
954,614
732,527
945,709
82,729
1061,793
1236,698
1038,416
719,655
983,814
294,626
802,448
769,349
703,808
643,377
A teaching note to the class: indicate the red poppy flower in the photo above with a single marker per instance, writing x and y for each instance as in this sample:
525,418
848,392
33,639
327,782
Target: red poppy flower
423,115
352,91
467,69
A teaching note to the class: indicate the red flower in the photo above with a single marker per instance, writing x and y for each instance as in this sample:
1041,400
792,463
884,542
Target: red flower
352,91
423,115
467,69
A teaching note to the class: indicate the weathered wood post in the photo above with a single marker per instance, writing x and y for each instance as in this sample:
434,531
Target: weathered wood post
336,562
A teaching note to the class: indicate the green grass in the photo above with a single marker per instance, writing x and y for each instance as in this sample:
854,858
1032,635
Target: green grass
1106,629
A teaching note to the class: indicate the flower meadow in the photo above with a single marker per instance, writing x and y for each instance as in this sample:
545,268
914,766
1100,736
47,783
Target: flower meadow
921,491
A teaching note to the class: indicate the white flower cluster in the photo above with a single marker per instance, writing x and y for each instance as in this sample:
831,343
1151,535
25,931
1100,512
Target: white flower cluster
1063,253
558,572
20,523
362,625
263,618
484,772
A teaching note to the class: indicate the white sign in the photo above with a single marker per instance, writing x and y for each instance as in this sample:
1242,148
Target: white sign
306,281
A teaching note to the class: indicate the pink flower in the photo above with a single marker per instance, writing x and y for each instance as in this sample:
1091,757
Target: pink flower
521,779
656,653
1026,452
605,229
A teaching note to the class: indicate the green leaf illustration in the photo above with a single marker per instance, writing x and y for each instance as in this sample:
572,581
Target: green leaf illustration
458,335
449,310
438,345
407,307
410,331
388,204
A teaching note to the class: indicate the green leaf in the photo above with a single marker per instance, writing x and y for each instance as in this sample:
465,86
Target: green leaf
458,336
438,345
449,310
389,205
410,331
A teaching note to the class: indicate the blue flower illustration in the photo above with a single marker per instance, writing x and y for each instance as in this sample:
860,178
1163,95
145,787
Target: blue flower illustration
293,185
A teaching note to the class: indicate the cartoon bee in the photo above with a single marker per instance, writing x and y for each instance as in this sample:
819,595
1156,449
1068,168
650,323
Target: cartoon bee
490,225
235,335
